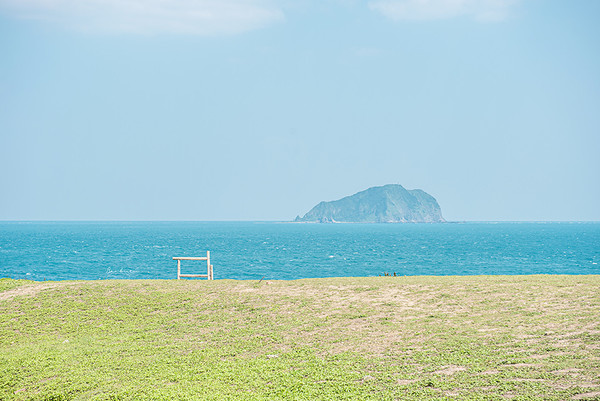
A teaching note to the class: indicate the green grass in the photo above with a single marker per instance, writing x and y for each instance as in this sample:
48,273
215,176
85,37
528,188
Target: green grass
380,338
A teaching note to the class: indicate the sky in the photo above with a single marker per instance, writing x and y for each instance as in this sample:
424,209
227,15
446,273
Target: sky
260,109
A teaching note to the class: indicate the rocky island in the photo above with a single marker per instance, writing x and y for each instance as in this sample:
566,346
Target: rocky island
387,204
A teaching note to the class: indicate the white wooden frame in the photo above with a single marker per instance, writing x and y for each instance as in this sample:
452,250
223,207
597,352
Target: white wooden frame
209,267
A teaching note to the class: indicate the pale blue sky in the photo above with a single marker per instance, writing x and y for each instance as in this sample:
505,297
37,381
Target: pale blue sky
258,110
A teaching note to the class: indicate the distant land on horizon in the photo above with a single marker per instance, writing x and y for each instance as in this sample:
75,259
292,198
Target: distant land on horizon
390,203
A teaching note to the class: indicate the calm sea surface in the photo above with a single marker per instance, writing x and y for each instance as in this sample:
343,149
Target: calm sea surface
246,250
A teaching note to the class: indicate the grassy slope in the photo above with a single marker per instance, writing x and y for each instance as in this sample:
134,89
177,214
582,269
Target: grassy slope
522,337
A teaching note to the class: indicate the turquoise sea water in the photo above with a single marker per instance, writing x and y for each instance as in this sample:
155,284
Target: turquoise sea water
247,250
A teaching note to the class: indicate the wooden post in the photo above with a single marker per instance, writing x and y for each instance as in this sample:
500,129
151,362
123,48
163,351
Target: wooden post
178,269
208,265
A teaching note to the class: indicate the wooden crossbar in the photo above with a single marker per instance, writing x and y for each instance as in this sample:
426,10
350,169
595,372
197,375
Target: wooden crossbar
209,267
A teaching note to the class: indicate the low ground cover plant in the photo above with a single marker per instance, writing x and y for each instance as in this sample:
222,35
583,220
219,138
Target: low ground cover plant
379,338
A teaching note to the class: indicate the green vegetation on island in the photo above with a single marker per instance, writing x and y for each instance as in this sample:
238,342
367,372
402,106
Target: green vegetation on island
378,338
387,204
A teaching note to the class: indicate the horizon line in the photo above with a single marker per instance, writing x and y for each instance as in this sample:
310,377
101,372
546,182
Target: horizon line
280,221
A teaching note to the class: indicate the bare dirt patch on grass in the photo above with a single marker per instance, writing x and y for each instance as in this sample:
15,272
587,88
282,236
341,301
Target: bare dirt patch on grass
449,370
594,395
31,290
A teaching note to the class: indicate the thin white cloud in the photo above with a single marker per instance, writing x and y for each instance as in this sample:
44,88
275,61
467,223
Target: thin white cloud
200,17
482,10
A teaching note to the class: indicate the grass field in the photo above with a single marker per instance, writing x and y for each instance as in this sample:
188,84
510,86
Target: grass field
380,338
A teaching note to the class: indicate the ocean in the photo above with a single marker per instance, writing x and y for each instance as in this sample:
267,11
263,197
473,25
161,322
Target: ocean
285,251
